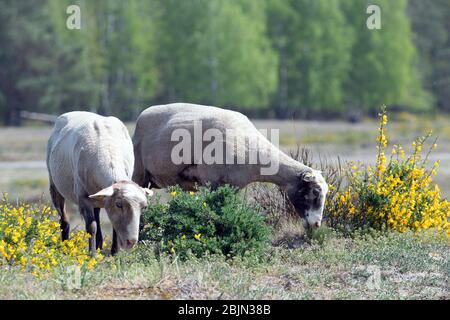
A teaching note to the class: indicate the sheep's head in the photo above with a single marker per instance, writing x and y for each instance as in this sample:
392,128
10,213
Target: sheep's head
124,202
308,197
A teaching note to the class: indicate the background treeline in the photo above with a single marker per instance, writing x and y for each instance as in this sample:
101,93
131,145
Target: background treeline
268,58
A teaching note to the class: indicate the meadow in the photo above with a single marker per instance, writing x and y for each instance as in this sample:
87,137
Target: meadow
327,264
410,267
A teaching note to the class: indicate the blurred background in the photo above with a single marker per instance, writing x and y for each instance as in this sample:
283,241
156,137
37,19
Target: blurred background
310,68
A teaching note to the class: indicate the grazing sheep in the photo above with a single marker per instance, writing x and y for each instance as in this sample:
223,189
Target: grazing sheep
90,163
161,129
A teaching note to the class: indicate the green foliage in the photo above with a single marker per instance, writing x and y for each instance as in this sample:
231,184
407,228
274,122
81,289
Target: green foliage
308,58
117,68
26,51
216,222
76,80
383,61
206,59
313,41
431,27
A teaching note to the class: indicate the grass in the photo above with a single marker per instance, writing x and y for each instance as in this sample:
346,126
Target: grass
349,138
27,184
21,144
409,267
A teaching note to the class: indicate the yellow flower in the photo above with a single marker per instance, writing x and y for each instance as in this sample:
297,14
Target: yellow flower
31,239
15,236
173,193
23,261
403,190
197,236
191,193
183,237
91,263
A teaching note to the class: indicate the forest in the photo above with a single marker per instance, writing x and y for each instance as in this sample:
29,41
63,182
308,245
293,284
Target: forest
309,59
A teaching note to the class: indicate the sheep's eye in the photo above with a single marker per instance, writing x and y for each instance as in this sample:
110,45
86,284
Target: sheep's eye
119,204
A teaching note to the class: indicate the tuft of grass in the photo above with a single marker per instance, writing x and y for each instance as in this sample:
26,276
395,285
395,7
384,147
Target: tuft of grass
37,183
277,208
289,233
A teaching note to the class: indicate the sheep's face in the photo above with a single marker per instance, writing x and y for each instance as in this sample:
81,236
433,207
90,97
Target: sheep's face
308,197
124,202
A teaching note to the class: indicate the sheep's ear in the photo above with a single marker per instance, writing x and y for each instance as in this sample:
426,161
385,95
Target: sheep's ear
102,194
148,192
307,176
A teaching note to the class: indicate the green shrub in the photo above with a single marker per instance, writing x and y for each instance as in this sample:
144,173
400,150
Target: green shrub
207,221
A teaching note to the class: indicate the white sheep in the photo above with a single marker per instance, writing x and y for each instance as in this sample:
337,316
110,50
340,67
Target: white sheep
161,129
90,163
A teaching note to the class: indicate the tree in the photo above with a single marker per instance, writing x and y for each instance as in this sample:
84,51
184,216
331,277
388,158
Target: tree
74,79
25,40
111,68
124,40
431,26
313,42
215,52
383,61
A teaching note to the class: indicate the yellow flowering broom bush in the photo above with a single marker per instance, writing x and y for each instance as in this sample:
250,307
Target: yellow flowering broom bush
397,194
30,240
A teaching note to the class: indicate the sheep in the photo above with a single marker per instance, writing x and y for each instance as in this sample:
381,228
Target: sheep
160,130
90,163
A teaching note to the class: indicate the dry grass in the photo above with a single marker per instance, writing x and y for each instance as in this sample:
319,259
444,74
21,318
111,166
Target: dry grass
279,212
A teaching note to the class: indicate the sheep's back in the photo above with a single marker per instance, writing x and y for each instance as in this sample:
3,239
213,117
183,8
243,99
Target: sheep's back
88,152
153,134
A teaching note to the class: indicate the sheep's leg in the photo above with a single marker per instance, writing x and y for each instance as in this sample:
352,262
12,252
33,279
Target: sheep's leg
114,243
99,236
140,174
59,203
91,225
